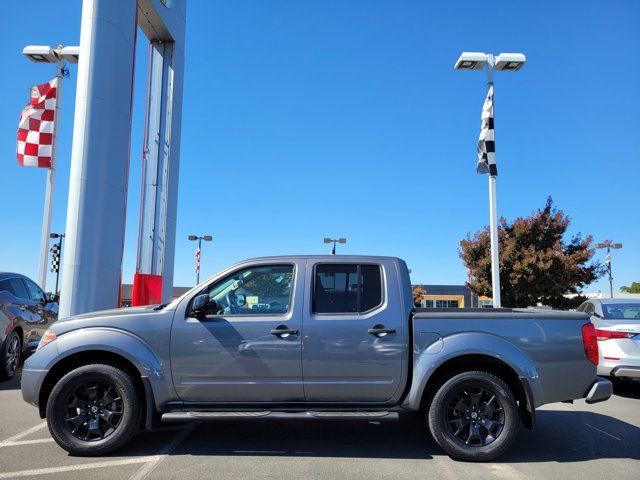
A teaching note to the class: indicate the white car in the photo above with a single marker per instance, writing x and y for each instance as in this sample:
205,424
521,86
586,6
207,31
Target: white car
617,322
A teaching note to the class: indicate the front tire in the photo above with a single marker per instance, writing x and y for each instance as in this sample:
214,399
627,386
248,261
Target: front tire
93,410
473,416
10,352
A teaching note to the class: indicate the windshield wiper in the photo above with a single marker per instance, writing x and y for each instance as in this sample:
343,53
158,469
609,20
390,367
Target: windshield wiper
161,306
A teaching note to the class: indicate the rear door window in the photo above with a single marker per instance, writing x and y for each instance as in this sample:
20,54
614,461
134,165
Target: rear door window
5,286
347,288
19,288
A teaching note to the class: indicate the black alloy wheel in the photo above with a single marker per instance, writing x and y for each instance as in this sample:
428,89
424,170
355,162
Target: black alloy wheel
13,354
475,416
93,410
10,352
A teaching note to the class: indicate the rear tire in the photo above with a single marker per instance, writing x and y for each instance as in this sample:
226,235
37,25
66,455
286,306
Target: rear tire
10,353
93,410
473,416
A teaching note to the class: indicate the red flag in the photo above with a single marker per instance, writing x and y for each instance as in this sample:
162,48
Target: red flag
36,127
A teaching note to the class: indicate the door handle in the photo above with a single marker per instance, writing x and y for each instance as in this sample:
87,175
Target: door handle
282,330
380,330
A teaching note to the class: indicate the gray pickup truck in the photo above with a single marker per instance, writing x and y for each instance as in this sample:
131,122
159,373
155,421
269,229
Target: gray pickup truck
313,338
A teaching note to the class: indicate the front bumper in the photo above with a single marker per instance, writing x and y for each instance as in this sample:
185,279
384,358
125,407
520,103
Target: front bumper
31,382
600,391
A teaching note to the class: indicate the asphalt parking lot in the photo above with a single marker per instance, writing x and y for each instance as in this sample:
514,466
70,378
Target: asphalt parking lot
571,441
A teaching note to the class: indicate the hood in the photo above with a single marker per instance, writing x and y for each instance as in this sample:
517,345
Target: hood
114,312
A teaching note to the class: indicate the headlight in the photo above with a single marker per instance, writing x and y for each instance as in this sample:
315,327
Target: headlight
48,337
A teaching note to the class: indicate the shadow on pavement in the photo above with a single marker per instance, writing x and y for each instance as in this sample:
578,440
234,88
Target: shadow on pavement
560,436
14,383
627,388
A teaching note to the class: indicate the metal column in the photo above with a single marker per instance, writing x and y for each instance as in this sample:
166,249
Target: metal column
91,274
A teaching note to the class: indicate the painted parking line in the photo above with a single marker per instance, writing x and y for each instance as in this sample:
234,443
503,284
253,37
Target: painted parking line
27,442
602,431
163,453
73,468
20,435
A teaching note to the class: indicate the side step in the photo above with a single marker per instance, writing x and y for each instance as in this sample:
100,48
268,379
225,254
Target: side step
199,416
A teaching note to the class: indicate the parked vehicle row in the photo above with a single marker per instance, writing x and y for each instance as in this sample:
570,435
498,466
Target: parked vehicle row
25,313
313,338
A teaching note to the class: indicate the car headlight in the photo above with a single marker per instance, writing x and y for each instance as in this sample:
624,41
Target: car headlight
48,337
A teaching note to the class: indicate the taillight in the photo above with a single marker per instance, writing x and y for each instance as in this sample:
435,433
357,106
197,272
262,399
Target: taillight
609,334
590,342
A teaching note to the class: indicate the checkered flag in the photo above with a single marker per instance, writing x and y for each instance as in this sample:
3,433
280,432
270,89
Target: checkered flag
35,130
55,258
198,260
486,140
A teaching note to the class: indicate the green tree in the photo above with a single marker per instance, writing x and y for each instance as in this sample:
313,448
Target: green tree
538,265
634,288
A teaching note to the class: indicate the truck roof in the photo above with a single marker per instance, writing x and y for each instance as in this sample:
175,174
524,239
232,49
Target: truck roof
326,257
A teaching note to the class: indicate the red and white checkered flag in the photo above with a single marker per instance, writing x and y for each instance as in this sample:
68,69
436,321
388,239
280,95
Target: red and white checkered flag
35,131
198,260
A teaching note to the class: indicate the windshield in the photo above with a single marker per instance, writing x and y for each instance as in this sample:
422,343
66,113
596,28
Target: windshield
621,311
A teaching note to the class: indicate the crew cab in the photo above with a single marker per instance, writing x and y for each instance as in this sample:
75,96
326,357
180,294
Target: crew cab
313,338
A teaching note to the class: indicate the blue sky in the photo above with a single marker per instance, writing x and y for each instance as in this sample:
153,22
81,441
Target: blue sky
304,119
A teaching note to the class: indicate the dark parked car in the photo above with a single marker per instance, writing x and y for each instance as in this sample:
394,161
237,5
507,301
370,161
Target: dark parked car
25,313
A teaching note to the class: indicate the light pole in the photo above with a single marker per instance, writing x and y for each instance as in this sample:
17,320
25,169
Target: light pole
609,244
58,56
334,241
55,262
507,62
193,238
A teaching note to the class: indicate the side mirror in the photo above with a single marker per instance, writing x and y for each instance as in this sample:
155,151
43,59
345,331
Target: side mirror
200,306
241,299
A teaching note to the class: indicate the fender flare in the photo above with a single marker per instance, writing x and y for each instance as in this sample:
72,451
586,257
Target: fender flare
473,343
153,372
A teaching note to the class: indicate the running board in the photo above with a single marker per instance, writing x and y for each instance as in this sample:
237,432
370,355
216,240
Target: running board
199,416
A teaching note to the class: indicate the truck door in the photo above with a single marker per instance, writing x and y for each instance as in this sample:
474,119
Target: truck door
247,349
353,333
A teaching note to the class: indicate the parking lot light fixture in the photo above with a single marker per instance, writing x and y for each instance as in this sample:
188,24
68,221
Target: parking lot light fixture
500,62
609,245
334,241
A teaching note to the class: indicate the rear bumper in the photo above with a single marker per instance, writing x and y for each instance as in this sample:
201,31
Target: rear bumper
600,391
629,372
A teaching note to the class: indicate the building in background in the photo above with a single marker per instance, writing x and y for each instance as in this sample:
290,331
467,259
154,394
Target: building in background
452,296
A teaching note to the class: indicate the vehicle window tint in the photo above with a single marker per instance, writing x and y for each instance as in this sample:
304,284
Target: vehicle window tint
347,288
18,287
588,309
35,293
371,287
5,286
336,289
259,290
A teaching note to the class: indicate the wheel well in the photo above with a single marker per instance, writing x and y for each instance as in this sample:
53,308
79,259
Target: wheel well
18,330
488,364
88,357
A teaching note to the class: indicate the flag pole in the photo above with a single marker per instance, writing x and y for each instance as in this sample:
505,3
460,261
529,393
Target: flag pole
48,194
493,212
